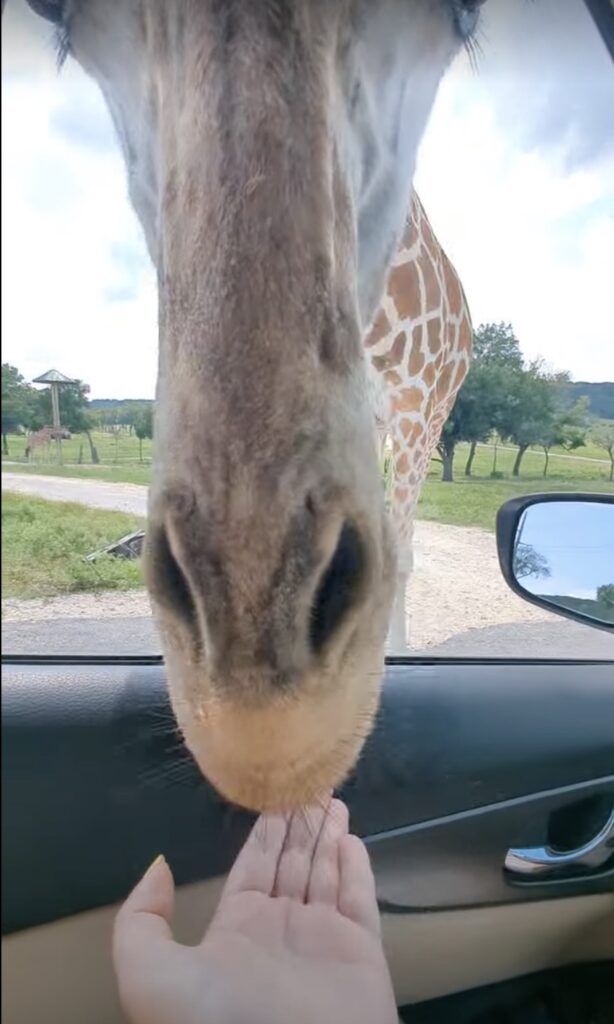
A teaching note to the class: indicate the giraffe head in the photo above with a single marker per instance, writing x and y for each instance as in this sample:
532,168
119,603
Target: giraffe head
270,147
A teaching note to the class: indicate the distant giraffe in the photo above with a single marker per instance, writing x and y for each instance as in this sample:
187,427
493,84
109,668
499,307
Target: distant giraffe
419,349
40,439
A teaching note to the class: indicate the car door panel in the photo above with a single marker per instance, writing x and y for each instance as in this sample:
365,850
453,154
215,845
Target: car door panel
431,955
466,760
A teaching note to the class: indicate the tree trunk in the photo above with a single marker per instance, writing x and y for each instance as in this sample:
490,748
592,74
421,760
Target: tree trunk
472,449
447,459
140,449
93,451
521,450
547,454
5,444
494,459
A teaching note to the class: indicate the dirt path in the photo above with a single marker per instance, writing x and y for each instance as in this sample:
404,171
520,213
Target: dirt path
94,493
457,584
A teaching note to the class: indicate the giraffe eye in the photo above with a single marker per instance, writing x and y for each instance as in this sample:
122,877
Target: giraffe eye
51,10
466,16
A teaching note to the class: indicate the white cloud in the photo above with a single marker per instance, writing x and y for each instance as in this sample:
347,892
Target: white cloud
69,302
519,185
530,230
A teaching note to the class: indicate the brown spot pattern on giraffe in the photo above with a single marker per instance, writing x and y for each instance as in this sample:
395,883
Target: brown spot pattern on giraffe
404,290
380,329
466,337
402,463
432,287
434,332
416,359
410,400
393,378
442,386
459,376
428,375
453,291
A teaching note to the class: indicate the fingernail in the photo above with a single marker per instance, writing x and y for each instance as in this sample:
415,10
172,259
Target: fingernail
158,860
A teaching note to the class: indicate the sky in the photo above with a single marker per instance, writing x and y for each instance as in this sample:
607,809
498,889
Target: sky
516,171
577,542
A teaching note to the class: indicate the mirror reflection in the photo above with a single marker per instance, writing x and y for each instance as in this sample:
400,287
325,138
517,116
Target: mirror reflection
564,554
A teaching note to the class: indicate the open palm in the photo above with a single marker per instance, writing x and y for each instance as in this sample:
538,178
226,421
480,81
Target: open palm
296,936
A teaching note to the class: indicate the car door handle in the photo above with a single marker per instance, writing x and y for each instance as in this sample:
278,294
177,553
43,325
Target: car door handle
538,861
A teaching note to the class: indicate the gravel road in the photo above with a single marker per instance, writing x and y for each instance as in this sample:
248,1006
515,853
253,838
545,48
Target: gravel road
95,493
457,595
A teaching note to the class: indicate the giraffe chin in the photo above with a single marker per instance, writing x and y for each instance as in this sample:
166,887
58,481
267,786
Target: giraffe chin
281,756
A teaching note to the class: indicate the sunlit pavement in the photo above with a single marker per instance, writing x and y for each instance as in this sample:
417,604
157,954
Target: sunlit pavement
136,636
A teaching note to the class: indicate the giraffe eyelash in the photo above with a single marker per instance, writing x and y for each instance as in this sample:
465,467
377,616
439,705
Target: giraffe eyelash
61,42
474,50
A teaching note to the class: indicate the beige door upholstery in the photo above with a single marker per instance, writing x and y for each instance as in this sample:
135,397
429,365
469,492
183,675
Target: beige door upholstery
61,972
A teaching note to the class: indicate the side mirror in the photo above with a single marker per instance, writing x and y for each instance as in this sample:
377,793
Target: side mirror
557,552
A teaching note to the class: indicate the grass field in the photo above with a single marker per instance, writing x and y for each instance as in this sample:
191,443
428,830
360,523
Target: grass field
129,473
562,466
113,449
476,502
122,451
43,544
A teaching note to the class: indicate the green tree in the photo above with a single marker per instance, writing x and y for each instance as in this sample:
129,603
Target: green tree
602,434
531,409
496,360
143,426
482,403
529,562
468,421
605,594
18,402
496,344
567,429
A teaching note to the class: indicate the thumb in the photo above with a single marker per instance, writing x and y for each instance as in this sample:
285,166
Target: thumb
142,927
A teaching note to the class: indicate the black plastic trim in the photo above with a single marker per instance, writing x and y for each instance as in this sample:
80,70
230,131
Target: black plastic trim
602,13
156,660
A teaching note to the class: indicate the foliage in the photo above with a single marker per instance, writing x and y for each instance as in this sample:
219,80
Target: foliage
532,408
483,402
470,502
566,429
529,562
143,426
605,594
497,345
18,400
43,544
602,434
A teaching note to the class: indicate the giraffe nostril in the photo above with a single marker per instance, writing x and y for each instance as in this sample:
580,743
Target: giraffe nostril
168,580
338,588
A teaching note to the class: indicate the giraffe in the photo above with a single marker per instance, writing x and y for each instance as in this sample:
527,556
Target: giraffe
419,350
270,148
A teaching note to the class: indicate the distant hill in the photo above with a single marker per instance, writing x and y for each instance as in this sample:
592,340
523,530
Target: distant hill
111,403
600,396
599,610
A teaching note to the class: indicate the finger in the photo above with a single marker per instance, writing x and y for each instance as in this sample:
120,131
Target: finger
256,865
357,898
294,865
142,926
325,876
